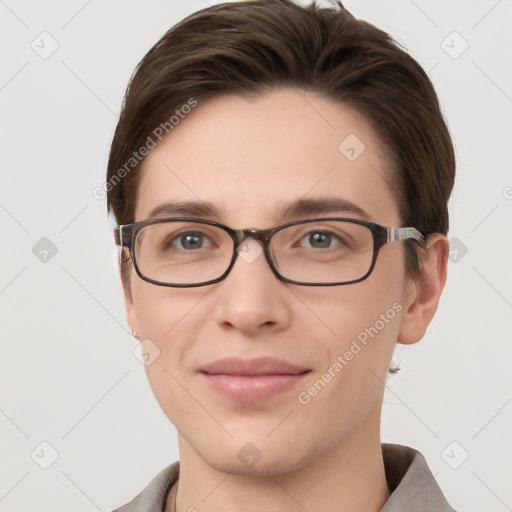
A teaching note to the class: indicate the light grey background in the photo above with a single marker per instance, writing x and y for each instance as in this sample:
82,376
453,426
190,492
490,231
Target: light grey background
69,376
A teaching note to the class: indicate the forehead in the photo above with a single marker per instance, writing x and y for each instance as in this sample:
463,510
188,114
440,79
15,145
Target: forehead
249,158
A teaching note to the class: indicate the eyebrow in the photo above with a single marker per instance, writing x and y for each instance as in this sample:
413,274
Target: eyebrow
300,208
321,206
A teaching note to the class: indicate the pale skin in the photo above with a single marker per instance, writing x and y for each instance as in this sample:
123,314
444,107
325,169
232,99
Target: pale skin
248,157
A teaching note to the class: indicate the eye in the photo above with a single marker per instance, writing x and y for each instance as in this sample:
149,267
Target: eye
321,239
189,240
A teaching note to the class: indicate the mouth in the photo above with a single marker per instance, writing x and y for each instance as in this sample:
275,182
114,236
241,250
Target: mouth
252,380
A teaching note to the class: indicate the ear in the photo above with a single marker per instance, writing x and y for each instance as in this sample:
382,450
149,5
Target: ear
422,296
131,315
131,312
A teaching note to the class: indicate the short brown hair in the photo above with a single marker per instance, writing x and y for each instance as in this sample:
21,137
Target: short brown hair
252,47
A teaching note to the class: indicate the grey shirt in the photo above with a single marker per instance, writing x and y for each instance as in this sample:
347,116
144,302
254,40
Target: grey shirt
412,484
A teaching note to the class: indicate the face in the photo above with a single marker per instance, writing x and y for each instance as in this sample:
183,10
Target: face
249,158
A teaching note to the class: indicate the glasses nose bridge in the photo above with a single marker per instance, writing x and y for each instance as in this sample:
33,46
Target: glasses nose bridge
261,235
256,234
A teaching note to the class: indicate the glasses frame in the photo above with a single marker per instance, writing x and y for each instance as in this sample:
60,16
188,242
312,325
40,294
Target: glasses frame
126,234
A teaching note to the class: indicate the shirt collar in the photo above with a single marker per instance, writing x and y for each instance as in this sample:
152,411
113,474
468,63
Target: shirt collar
413,486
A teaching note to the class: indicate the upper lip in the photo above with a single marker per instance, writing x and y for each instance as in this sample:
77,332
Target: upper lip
256,366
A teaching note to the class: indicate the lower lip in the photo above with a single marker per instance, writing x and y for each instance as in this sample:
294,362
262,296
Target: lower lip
252,388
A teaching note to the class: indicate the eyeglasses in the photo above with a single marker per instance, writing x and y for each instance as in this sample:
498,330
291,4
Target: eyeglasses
187,252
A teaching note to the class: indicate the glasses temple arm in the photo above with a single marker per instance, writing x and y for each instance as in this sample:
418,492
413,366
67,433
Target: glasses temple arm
395,234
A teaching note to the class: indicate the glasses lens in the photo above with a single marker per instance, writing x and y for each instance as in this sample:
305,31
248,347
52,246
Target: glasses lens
323,251
182,252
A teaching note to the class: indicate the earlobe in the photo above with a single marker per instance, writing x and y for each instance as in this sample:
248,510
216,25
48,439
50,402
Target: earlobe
129,305
422,297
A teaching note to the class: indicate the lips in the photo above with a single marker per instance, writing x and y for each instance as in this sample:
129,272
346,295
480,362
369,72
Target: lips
251,367
252,380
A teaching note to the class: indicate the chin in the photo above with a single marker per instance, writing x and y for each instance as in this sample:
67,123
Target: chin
264,467
258,455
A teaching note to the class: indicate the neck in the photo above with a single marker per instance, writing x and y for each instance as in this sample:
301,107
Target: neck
349,477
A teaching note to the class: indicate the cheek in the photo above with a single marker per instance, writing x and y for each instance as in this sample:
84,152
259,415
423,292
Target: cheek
363,321
361,324
169,322
159,309
348,310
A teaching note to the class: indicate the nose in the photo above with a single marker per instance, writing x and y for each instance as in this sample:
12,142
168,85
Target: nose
251,298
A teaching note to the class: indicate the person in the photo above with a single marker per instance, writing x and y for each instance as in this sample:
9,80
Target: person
279,176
